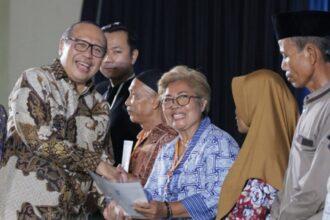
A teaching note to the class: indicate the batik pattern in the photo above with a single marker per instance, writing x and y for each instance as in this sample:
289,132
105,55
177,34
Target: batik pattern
55,136
146,150
198,178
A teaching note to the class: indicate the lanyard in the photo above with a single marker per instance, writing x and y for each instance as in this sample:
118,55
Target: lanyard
176,159
118,91
175,163
115,97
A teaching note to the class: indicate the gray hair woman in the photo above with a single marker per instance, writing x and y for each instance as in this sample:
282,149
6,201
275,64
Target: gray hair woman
189,171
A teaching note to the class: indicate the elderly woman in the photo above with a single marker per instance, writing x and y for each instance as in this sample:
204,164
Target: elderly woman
267,112
189,171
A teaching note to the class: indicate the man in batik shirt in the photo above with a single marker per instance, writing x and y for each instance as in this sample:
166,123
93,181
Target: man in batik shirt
57,132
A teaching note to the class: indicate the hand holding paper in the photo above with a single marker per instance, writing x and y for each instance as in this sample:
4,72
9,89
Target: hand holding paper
125,194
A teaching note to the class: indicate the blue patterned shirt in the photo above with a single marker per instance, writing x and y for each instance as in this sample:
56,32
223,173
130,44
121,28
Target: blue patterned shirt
196,182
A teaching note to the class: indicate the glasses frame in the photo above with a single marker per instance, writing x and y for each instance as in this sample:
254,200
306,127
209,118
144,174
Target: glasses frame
92,46
171,103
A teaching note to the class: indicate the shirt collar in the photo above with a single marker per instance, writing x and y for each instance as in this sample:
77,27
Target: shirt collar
59,73
317,94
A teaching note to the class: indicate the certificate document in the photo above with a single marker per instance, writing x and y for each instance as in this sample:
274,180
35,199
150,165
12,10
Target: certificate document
125,194
128,145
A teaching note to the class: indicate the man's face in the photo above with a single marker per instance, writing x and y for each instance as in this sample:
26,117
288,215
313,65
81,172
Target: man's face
119,60
81,66
141,102
296,63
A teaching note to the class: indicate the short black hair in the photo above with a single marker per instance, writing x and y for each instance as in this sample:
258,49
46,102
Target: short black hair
118,26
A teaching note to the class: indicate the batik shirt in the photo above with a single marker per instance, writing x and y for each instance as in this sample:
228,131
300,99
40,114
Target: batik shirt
147,148
196,182
55,136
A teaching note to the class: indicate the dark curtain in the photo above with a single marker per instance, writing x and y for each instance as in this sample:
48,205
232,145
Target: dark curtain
221,38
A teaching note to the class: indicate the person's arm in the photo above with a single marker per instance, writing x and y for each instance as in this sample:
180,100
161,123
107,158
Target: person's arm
156,210
114,212
311,196
41,123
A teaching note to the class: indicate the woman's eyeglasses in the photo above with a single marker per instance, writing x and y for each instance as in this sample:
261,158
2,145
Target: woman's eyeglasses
180,100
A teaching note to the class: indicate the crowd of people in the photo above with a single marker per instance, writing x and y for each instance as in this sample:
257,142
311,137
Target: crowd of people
61,127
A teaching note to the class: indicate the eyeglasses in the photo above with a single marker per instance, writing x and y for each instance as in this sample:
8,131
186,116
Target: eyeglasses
82,46
180,100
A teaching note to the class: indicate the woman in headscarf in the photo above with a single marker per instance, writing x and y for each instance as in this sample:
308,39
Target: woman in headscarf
267,112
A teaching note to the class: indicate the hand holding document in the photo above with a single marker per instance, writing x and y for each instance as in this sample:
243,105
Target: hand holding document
125,194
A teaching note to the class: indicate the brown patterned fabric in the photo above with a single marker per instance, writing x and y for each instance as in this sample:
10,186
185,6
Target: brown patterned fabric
147,148
55,136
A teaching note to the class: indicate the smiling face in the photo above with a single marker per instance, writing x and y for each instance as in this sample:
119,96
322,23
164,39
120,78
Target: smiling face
118,63
185,119
296,64
81,66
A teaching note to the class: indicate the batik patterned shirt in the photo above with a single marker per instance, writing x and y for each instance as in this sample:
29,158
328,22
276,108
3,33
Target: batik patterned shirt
55,136
147,148
196,182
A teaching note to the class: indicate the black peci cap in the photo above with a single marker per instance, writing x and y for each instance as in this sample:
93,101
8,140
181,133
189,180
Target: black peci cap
301,23
150,78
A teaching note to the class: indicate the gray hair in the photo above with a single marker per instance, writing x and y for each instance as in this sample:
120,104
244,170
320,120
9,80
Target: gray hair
68,31
195,79
323,43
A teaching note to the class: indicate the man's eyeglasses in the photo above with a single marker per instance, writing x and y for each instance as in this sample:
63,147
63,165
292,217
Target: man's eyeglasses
82,46
180,100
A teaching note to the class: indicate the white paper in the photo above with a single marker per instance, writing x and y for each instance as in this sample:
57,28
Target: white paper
127,149
125,194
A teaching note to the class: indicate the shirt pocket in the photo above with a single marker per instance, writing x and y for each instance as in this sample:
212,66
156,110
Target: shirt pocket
306,144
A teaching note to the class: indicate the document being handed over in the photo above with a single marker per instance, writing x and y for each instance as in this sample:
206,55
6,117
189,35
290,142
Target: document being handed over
125,194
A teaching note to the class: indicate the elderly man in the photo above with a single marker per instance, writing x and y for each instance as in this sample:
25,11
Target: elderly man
304,41
143,106
57,132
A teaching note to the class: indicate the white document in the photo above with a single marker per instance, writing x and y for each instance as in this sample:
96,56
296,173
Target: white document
125,194
127,149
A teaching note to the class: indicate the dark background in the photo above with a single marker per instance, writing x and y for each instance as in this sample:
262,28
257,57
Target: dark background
221,38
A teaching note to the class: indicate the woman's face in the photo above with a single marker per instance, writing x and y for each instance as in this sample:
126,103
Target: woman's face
184,118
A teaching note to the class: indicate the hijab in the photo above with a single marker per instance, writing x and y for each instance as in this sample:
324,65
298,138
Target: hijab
265,104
